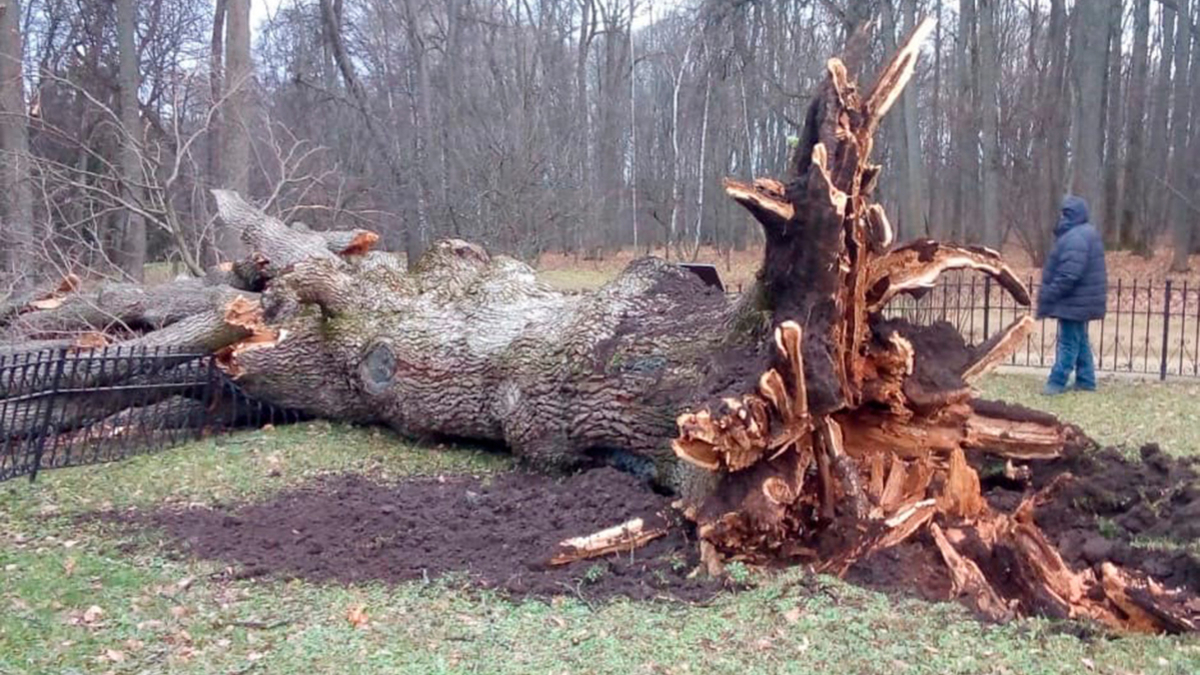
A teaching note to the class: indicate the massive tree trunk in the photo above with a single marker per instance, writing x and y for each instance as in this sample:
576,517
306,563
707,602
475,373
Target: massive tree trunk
795,423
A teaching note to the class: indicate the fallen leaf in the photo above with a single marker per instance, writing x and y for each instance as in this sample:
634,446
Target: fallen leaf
70,544
1089,664
92,614
357,616
134,645
69,566
792,615
253,656
179,611
152,624
185,583
114,655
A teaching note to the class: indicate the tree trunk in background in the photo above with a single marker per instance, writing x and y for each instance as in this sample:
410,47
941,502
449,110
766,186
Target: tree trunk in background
1088,66
216,69
1160,134
1180,213
16,200
1133,222
1053,126
235,136
610,148
132,251
584,161
966,137
1113,110
898,190
989,108
936,208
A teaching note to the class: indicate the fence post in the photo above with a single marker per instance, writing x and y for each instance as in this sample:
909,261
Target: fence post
987,307
45,430
1162,366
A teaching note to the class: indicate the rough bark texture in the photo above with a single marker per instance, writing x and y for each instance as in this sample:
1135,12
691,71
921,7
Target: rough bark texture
1088,48
131,256
16,199
795,423
235,114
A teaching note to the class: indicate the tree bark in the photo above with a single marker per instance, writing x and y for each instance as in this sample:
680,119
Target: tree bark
989,109
1054,121
1160,139
16,199
1113,111
1089,37
1180,211
1134,222
132,251
966,139
236,115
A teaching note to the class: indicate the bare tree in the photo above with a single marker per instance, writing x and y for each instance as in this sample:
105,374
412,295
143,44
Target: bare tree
989,110
234,135
1181,213
1133,206
132,253
1088,47
16,203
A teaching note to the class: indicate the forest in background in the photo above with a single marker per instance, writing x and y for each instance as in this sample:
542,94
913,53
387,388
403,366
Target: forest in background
572,126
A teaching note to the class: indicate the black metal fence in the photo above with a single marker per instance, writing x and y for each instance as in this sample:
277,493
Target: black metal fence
1151,328
68,407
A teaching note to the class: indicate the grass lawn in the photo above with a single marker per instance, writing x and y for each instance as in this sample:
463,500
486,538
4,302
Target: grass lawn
84,598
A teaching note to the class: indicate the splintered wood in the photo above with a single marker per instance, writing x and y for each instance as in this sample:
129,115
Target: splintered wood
625,537
855,437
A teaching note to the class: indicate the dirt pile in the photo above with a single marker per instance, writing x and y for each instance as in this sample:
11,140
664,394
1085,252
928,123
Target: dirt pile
498,532
1141,514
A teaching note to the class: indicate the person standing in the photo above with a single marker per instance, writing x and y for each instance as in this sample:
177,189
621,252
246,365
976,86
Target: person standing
1074,291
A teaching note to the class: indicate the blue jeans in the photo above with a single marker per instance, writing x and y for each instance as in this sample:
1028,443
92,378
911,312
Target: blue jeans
1074,355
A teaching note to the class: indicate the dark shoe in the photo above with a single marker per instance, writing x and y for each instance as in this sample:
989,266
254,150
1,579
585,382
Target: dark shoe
1078,387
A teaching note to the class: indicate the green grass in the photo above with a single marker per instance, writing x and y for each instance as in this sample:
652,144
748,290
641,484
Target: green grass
78,598
1124,413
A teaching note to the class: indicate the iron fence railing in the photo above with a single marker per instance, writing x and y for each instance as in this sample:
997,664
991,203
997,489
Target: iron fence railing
1150,328
67,407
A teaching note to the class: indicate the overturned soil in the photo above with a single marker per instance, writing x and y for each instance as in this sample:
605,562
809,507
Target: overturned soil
1140,514
498,533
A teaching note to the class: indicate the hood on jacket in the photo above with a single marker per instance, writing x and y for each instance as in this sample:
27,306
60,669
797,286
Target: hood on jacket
1074,213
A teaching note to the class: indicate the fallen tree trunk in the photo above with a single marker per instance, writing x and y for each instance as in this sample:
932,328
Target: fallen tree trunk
795,422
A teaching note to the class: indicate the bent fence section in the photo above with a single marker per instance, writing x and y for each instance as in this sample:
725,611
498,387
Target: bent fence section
67,407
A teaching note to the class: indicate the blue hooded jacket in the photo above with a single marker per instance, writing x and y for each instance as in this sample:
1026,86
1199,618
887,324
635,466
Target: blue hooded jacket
1074,279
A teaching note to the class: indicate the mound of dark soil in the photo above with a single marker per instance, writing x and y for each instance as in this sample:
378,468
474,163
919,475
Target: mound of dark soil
1138,514
498,532
1114,502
